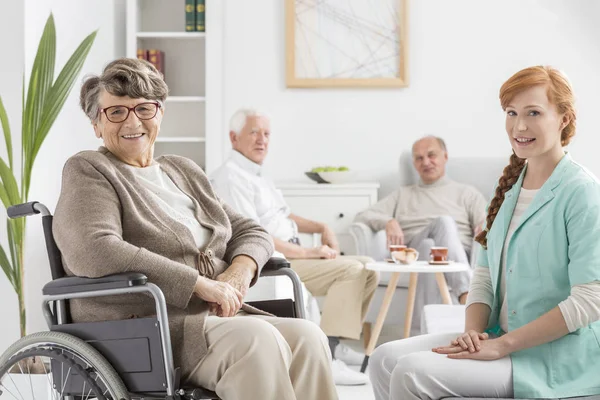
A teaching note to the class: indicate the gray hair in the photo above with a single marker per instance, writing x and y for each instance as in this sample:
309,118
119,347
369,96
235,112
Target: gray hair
439,140
122,77
238,120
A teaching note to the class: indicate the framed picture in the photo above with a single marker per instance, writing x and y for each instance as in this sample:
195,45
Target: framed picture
346,43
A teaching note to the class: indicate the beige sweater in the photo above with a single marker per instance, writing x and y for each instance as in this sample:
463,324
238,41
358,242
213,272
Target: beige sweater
415,207
106,222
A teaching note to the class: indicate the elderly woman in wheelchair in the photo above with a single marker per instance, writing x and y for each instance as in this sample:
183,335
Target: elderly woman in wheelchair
123,211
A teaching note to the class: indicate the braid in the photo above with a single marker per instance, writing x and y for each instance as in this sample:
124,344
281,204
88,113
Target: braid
509,177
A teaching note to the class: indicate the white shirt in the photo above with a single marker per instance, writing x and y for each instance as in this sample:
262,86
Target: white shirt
240,184
172,200
580,309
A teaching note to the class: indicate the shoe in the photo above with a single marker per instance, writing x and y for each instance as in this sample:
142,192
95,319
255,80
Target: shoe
347,355
344,376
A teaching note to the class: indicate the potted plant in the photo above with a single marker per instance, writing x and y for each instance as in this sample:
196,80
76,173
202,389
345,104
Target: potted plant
42,102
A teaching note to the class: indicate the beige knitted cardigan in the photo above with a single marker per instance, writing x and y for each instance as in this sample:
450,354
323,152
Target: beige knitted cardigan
106,222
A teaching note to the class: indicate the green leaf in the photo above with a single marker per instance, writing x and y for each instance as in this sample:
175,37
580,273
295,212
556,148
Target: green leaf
6,267
7,135
10,183
60,91
40,82
12,246
15,237
4,196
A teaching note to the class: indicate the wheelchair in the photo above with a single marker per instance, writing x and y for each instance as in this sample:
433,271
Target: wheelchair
113,360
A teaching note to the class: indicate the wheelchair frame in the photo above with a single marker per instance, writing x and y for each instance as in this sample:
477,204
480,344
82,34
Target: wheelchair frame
62,288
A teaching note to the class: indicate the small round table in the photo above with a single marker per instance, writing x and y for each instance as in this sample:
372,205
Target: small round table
414,269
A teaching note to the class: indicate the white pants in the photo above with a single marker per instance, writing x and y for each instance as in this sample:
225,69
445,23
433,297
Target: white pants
407,370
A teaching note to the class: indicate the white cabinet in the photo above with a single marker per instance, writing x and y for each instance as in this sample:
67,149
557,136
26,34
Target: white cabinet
335,205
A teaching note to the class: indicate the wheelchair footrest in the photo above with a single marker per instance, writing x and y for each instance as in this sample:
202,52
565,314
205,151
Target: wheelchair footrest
200,394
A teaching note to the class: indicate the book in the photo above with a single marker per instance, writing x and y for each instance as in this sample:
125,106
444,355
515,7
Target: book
190,15
142,54
200,16
157,58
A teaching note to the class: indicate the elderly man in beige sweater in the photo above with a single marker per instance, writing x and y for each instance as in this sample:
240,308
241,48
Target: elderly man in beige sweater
435,212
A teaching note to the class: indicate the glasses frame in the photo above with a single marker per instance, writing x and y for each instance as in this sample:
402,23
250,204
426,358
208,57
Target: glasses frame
130,109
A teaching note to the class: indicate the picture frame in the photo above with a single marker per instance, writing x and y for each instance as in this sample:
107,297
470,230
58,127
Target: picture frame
346,43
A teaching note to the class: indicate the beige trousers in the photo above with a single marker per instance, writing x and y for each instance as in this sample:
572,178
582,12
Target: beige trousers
348,287
254,357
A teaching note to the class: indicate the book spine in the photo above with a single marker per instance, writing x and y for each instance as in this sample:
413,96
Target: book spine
156,57
200,16
161,62
190,15
141,54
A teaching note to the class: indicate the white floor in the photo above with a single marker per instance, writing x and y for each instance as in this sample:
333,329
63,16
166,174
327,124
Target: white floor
365,392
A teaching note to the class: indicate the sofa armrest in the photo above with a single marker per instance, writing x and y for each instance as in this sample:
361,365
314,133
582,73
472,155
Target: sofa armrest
75,284
367,242
362,236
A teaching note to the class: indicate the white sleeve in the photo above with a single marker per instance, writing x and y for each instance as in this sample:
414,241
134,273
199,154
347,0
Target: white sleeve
582,307
481,290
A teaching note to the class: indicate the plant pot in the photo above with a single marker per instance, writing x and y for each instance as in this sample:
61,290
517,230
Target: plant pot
34,386
32,365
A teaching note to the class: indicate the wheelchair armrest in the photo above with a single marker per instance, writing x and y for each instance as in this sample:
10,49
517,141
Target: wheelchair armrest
75,284
276,263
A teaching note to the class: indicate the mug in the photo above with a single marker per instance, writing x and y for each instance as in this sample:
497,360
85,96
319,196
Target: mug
396,247
438,254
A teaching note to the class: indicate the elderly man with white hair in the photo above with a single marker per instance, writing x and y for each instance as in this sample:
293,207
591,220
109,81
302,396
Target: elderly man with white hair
344,280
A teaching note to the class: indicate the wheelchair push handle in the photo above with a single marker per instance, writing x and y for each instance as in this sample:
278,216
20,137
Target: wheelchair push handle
27,209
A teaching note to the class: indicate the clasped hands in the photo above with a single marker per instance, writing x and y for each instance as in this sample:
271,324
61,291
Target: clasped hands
475,346
225,294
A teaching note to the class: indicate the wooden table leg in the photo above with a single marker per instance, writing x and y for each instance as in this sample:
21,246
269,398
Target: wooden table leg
441,281
410,303
366,334
383,310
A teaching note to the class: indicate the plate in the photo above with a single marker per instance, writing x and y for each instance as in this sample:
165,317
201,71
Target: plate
439,262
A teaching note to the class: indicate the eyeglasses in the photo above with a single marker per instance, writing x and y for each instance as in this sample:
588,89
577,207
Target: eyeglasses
143,111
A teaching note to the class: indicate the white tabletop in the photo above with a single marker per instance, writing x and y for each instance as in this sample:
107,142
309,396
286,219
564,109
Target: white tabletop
417,266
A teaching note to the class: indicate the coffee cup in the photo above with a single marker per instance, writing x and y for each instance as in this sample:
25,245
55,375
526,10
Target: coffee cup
438,254
396,247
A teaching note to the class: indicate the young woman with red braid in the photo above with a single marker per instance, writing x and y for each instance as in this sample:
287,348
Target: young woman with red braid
532,326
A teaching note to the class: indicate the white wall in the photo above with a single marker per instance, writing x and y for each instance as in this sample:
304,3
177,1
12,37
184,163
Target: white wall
11,26
71,132
461,51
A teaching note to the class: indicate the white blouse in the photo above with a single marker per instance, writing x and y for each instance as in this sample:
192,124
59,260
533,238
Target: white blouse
172,200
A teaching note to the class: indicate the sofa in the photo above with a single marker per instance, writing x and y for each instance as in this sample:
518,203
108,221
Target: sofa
480,172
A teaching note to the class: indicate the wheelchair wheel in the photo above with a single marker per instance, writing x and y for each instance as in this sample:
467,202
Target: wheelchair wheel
55,365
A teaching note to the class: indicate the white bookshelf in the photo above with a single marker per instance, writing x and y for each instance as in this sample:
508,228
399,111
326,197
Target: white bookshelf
192,126
171,35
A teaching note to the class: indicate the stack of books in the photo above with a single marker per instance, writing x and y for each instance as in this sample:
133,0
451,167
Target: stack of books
155,57
195,16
